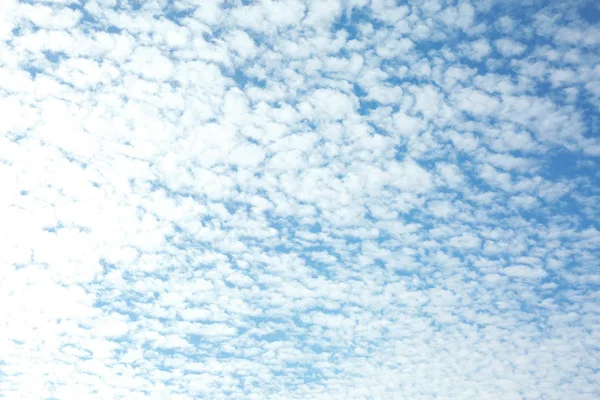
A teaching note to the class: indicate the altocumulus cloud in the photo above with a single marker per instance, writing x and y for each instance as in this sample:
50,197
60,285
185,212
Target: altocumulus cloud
358,199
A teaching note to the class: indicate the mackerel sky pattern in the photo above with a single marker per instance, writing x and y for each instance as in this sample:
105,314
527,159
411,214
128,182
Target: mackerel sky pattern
340,199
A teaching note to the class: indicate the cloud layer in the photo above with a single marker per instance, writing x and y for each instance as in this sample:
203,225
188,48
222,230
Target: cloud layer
299,200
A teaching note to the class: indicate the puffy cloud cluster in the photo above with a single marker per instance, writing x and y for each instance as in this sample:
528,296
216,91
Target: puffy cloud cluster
289,200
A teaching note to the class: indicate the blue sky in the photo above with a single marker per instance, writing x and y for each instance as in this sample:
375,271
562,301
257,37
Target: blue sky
299,200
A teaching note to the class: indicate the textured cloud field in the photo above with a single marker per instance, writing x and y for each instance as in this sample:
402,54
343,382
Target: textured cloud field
341,199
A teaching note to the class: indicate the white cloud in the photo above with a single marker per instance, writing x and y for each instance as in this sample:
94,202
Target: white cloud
50,18
322,13
242,44
461,16
332,103
522,271
385,94
410,176
509,47
477,50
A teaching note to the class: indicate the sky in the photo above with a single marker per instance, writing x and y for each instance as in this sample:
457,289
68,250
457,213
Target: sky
340,199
